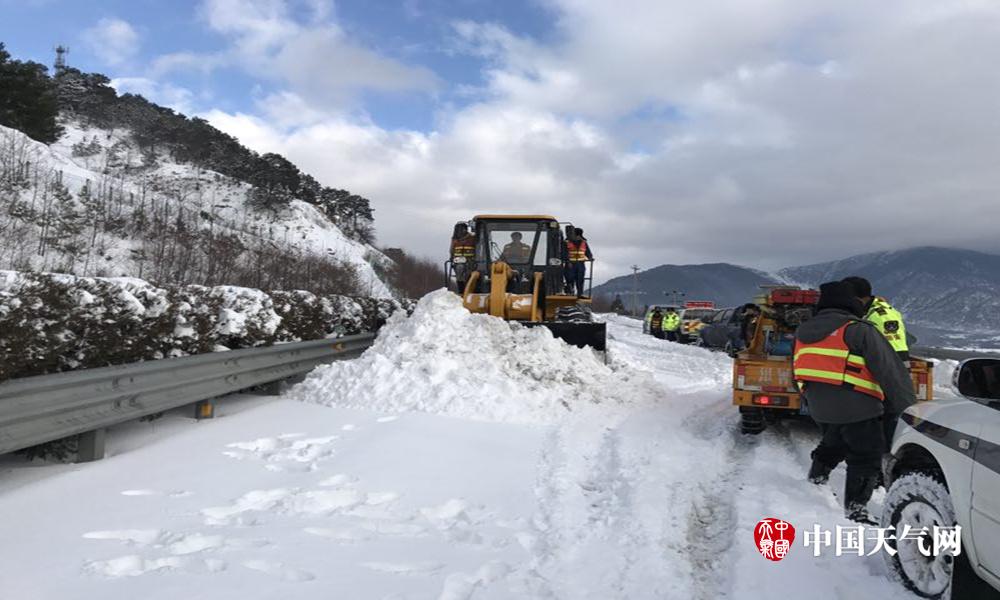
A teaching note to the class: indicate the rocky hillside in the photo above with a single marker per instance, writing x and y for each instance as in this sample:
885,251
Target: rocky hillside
97,183
94,204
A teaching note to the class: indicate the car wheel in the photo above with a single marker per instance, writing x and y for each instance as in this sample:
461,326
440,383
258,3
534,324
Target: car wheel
919,500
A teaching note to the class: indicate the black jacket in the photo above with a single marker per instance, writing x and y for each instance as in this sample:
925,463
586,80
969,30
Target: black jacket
838,404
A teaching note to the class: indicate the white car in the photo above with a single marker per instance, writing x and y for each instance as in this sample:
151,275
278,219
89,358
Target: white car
944,470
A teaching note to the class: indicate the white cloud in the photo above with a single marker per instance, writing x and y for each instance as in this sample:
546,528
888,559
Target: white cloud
113,40
767,132
315,60
162,93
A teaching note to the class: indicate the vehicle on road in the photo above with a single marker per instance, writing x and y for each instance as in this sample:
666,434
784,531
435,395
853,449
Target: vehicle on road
763,386
722,330
944,471
692,319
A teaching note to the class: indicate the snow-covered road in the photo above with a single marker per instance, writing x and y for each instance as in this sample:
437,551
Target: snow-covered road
650,493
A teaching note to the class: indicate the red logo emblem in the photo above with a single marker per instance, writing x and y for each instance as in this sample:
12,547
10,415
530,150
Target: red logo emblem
773,538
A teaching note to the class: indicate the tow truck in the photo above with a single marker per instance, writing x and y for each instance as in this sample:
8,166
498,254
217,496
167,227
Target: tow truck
763,387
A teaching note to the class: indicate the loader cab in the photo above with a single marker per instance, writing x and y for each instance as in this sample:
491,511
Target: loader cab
529,244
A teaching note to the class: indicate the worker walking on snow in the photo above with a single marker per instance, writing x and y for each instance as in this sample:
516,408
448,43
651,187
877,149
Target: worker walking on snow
463,248
850,376
656,323
889,321
671,324
576,253
877,310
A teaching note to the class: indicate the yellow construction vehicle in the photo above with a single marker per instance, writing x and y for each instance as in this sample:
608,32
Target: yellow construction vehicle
517,274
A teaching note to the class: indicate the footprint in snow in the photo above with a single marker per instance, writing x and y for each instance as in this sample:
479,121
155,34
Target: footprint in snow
417,568
133,565
174,543
339,535
279,570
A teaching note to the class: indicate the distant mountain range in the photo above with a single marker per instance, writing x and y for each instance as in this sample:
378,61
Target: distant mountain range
723,283
939,289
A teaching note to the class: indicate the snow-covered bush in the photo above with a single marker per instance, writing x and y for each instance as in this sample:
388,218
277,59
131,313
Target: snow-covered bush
51,323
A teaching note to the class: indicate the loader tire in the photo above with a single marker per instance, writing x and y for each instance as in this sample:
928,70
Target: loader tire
577,314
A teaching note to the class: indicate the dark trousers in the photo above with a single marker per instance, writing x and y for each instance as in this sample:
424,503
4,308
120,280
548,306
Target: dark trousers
657,333
461,276
576,274
860,444
670,335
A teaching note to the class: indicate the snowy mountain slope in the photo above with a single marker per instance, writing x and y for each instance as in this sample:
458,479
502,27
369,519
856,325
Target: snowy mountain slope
938,287
629,497
107,163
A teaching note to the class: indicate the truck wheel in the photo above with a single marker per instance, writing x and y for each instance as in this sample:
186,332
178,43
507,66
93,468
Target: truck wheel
919,500
752,420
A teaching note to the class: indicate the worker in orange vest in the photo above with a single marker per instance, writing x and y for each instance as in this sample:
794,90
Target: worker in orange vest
576,254
463,254
850,376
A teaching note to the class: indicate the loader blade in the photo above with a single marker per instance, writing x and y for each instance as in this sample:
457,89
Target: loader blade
579,334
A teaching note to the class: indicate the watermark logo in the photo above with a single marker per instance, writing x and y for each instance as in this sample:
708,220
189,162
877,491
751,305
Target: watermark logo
866,541
773,537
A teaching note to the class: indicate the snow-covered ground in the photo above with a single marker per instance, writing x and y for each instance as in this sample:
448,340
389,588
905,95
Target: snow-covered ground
620,481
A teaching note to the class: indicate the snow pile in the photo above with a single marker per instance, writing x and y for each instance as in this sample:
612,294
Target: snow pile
445,360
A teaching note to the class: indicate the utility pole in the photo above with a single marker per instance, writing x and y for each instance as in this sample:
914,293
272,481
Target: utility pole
635,290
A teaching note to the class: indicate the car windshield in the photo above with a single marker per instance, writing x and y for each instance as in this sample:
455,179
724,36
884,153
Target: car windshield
514,242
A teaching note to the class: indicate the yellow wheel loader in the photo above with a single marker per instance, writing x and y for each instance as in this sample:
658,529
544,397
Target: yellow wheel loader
517,274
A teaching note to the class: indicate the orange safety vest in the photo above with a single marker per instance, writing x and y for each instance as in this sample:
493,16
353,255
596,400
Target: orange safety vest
465,246
830,361
577,250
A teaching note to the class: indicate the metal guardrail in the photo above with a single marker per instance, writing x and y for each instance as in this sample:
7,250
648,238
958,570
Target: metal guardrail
35,410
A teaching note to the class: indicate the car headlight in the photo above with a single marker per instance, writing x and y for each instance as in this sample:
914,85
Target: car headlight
555,262
458,260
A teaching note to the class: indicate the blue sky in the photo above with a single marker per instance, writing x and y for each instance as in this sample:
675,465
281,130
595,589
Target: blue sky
412,32
760,132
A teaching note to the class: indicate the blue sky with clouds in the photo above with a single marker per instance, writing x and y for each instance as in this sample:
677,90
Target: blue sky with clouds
418,32
761,132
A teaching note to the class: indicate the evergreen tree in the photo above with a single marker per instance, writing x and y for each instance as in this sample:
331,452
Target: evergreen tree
618,306
28,98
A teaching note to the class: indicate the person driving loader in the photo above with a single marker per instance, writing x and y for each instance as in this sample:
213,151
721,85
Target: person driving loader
516,252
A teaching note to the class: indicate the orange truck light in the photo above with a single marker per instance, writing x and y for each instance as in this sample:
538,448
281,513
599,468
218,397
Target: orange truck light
767,400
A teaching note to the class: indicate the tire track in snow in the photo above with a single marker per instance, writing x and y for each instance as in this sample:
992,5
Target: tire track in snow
713,517
584,521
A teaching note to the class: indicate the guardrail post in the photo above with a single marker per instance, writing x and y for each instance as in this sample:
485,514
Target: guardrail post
90,446
204,409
